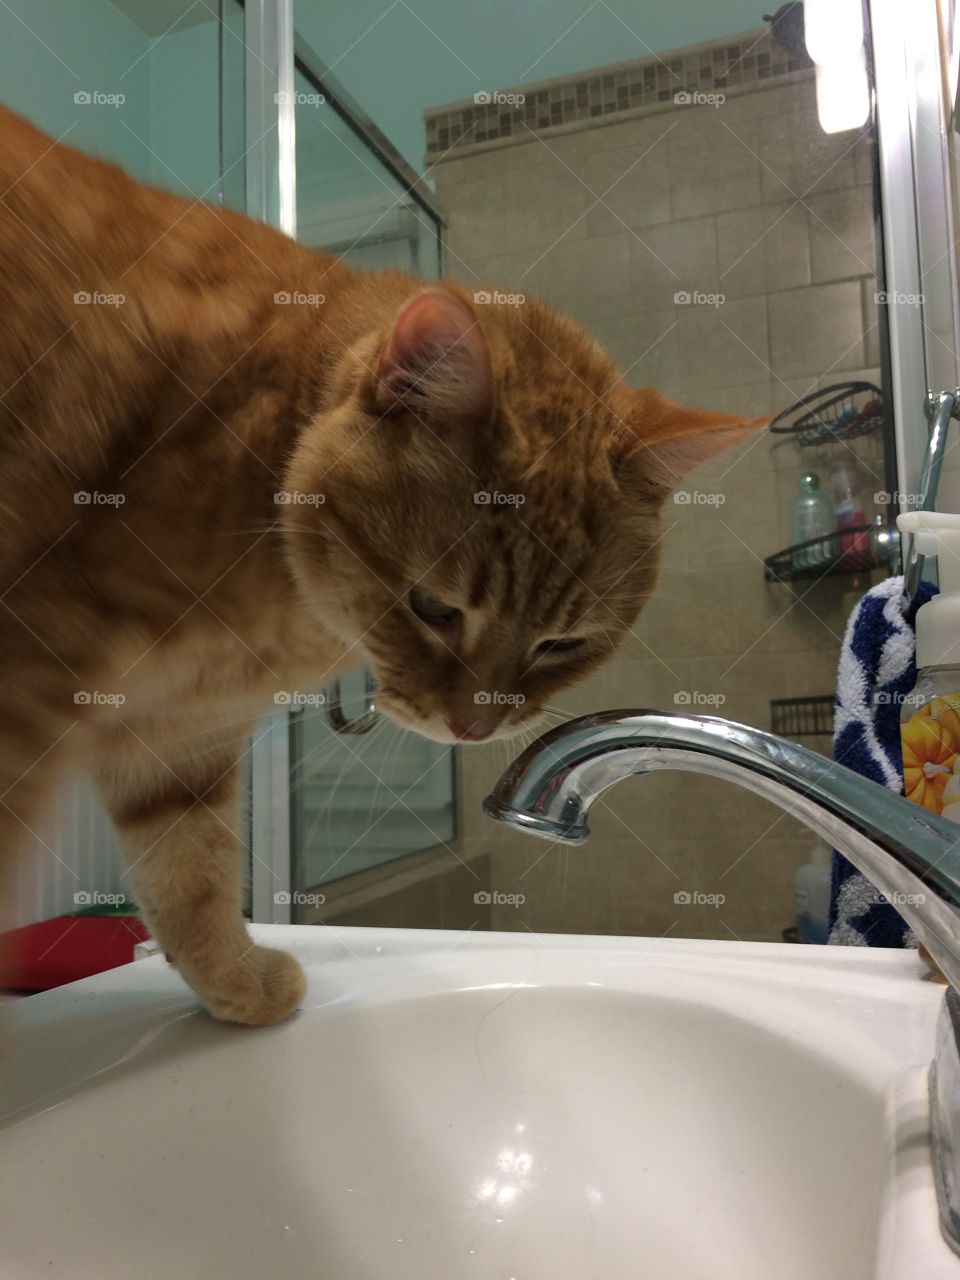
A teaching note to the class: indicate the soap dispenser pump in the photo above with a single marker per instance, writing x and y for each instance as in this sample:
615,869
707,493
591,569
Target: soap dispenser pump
930,714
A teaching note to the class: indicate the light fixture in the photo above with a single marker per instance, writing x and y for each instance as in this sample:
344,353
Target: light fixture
833,31
843,95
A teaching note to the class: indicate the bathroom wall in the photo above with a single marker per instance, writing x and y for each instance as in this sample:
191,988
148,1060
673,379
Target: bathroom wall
162,120
447,50
613,203
53,51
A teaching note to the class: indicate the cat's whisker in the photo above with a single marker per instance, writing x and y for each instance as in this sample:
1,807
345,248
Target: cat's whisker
313,755
383,729
299,774
307,841
237,533
564,712
349,758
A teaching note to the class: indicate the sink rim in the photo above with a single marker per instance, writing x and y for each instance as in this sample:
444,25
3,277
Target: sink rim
878,996
872,992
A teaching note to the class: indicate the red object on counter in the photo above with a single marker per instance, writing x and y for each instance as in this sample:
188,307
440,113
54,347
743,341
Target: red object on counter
52,953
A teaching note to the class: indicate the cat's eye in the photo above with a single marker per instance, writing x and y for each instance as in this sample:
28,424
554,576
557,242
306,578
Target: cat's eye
434,612
562,644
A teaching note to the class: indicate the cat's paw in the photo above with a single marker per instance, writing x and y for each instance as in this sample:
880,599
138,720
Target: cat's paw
264,987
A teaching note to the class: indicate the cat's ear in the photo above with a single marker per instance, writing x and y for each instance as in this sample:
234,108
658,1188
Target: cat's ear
436,361
666,440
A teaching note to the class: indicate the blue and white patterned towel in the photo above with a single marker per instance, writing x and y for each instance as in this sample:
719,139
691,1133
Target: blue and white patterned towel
876,670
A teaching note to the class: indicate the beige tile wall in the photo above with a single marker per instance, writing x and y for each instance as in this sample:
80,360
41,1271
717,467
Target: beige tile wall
610,222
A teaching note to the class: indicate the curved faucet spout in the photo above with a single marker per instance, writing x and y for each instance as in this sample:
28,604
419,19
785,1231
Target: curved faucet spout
912,856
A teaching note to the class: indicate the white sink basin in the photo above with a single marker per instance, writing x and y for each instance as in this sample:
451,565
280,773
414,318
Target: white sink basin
501,1107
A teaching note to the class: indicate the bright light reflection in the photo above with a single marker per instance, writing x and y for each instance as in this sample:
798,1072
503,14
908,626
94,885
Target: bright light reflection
516,1165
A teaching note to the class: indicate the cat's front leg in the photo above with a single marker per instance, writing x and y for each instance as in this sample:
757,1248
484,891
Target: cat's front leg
175,800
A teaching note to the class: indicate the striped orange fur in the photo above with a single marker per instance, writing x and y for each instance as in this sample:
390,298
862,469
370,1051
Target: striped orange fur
226,462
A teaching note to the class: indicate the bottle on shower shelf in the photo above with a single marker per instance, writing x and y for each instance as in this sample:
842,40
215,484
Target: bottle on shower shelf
811,516
849,513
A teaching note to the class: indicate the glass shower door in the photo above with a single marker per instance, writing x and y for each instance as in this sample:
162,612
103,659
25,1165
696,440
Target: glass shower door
362,792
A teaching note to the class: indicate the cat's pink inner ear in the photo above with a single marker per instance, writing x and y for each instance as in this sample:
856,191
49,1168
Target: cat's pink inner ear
668,440
436,360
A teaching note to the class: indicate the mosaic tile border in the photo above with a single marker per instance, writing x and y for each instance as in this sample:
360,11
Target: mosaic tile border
746,59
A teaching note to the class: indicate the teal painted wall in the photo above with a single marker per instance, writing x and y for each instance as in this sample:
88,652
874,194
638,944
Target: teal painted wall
398,60
185,111
165,130
52,49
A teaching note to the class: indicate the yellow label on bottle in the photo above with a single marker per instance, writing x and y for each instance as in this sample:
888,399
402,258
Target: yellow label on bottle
931,756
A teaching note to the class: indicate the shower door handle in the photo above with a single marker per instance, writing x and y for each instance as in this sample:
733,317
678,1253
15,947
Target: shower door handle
342,723
939,409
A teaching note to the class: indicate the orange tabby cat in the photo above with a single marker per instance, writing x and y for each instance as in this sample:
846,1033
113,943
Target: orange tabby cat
230,466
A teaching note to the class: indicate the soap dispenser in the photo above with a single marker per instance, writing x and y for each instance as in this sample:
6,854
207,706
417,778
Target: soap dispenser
930,714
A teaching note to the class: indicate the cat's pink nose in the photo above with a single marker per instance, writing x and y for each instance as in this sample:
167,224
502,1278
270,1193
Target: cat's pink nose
473,732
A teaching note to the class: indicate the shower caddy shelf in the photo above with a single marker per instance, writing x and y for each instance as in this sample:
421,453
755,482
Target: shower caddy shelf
834,415
808,717
859,549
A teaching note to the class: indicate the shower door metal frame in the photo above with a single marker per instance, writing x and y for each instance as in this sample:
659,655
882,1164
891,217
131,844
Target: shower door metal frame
270,108
274,55
917,216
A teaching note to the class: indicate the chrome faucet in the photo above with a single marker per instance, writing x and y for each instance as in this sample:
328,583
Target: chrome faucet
912,856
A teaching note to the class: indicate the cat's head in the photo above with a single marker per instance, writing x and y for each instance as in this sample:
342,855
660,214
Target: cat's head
477,511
